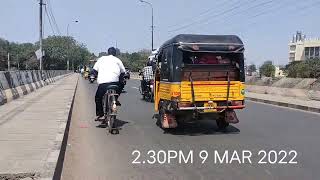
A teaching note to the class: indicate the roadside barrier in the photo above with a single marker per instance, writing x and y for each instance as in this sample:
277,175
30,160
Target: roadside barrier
14,84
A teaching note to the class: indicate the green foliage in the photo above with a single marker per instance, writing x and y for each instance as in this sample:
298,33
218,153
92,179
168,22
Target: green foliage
267,69
134,61
58,49
252,68
304,69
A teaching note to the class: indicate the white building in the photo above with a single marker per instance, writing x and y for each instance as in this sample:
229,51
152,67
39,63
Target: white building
278,72
301,48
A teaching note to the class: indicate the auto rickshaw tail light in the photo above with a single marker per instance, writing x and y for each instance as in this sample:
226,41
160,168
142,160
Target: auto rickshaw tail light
175,94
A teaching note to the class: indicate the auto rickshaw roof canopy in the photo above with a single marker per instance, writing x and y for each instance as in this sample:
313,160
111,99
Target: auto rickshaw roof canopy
222,43
209,39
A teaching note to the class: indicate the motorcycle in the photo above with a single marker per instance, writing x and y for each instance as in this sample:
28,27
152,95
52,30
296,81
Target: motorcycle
92,78
148,94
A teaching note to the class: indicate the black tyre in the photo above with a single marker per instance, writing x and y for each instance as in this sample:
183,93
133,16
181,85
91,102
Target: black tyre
221,122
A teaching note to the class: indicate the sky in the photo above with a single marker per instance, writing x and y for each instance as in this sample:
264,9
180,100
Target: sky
265,26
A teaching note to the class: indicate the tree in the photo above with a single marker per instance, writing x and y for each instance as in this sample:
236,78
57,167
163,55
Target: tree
60,49
304,69
252,68
135,61
314,67
267,69
102,54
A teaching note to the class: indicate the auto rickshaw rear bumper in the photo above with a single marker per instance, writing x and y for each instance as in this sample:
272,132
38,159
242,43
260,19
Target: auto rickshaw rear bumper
210,106
218,108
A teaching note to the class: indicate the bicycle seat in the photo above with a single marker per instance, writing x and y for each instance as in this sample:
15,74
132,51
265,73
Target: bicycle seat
115,87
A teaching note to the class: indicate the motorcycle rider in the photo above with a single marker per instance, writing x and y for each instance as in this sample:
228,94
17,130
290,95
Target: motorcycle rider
110,71
147,76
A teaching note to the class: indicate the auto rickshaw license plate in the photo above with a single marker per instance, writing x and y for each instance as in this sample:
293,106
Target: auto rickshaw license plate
210,105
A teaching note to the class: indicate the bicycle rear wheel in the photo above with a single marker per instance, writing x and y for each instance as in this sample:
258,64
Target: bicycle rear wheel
111,110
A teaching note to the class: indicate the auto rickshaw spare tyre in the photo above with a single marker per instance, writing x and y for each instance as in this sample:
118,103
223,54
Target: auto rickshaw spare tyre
221,121
167,120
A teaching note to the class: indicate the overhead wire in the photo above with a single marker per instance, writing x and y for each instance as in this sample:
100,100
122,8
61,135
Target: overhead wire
214,16
49,20
308,6
208,11
244,11
53,17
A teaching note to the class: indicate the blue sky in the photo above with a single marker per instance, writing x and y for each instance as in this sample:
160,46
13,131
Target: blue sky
265,26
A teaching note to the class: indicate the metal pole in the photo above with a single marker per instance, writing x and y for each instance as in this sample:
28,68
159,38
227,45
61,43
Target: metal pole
8,61
152,29
41,33
76,21
152,26
68,30
68,48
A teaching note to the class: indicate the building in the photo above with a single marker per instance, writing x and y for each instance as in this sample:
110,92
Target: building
301,48
278,72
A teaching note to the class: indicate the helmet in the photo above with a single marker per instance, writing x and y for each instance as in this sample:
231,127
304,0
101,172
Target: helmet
149,63
112,51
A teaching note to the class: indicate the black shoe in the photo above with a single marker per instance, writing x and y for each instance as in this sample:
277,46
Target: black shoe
98,118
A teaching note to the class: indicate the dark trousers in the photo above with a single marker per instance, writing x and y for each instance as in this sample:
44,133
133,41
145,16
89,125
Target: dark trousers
102,89
144,84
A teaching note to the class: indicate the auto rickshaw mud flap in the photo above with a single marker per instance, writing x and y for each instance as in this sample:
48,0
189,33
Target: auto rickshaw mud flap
231,116
169,121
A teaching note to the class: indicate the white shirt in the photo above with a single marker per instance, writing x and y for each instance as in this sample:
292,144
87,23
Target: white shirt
109,69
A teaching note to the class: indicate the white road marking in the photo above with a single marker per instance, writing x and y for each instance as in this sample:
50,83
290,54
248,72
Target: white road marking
135,87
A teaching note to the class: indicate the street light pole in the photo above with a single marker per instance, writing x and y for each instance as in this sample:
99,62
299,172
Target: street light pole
8,61
69,46
76,21
152,26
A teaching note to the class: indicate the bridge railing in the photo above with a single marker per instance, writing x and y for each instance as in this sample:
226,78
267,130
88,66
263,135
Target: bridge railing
14,84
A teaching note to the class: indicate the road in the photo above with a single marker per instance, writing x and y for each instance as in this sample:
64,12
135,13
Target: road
94,154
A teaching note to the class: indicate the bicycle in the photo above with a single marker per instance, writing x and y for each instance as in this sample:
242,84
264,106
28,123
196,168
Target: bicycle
110,108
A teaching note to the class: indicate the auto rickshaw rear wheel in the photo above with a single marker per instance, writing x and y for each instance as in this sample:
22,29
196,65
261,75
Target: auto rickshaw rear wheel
221,121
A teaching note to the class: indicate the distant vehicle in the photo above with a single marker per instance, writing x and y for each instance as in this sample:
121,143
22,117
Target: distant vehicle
127,74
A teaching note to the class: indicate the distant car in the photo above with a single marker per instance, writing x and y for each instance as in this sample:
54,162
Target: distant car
127,74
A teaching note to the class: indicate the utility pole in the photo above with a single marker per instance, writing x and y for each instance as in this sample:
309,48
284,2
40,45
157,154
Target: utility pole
41,33
8,61
152,29
72,61
152,26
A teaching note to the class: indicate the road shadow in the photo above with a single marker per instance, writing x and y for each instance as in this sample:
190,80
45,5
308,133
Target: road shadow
198,128
118,124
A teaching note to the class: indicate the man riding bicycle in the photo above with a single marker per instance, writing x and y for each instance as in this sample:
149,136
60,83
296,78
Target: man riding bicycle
110,71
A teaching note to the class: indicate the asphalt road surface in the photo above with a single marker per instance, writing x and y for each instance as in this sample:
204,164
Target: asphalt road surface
276,132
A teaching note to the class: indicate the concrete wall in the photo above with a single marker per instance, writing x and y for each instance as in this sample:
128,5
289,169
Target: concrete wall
14,84
300,88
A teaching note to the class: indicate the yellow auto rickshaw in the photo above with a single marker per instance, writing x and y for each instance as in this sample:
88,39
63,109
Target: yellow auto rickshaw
199,77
